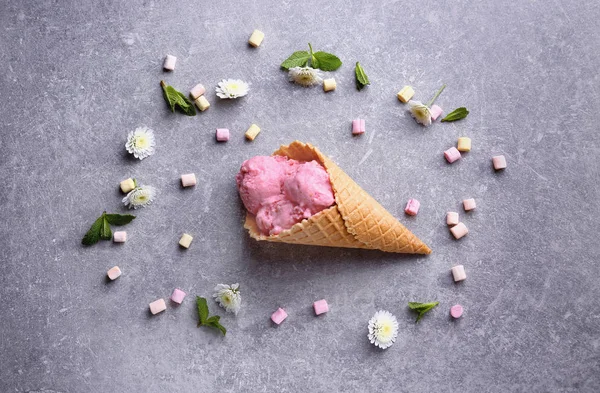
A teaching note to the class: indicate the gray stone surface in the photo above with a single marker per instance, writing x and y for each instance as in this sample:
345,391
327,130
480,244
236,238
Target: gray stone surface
78,75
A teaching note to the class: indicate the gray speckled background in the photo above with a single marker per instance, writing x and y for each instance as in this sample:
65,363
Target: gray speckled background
78,75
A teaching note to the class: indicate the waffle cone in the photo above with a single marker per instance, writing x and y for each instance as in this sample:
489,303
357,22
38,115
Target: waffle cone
355,221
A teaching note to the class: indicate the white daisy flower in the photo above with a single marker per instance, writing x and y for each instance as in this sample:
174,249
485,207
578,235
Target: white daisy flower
420,112
140,196
228,297
232,88
305,76
383,329
140,142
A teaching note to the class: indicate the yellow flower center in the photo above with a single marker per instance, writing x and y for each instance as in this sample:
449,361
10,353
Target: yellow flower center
141,142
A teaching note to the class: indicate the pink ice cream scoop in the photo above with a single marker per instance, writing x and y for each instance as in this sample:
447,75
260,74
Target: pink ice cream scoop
281,192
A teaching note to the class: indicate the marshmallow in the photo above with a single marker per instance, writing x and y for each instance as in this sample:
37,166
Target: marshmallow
120,237
188,180
278,316
202,103
412,207
456,311
321,307
197,91
177,295
458,273
222,134
158,306
499,162
452,154
169,63
127,185
459,230
329,84
464,144
185,240
114,273
452,218
358,126
256,38
406,94
435,112
469,204
252,132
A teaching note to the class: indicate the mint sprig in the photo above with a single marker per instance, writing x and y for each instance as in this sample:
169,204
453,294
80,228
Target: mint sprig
176,99
204,319
100,229
457,114
321,60
361,77
421,308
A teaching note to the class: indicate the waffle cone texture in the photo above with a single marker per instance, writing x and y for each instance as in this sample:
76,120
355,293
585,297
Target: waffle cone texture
356,220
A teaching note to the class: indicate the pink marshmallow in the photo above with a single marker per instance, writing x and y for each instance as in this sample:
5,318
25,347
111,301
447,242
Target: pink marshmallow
197,91
320,307
456,311
114,273
452,154
158,306
120,237
279,316
452,218
435,112
222,134
499,162
358,126
177,295
412,207
469,204
459,230
188,180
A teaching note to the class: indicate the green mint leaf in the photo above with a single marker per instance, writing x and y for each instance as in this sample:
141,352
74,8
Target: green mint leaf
213,319
421,308
297,59
202,310
217,325
361,77
175,99
326,61
457,114
93,234
105,232
119,219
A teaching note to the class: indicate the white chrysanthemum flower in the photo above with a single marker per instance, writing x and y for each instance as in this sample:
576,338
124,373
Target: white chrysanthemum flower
232,88
140,196
228,297
420,112
305,76
140,142
383,329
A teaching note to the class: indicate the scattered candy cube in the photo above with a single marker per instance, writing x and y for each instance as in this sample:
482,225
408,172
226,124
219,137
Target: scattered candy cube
459,230
329,84
114,273
452,218
456,311
321,307
222,134
358,126
197,91
177,295
188,180
127,185
469,204
406,94
412,207
458,273
120,237
435,112
158,306
185,240
169,63
202,103
499,162
252,132
464,144
256,38
452,154
279,316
